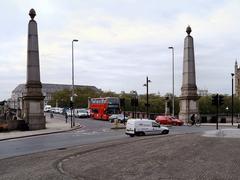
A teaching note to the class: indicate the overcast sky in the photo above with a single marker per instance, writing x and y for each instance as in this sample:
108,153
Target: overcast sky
121,42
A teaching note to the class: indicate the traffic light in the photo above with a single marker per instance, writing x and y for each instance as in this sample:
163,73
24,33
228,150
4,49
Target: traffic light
134,102
122,102
71,104
2,103
215,100
221,100
147,104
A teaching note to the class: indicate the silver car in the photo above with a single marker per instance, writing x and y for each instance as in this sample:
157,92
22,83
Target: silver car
119,117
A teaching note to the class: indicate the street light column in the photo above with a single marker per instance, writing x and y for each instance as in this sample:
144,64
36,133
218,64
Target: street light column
72,98
172,79
232,97
147,104
147,96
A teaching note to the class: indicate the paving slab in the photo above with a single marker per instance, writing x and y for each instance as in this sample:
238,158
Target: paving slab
53,125
223,133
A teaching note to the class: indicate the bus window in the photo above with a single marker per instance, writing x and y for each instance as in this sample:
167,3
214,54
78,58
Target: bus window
113,111
113,100
95,110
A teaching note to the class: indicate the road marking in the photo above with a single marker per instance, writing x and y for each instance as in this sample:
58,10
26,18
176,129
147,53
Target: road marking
89,132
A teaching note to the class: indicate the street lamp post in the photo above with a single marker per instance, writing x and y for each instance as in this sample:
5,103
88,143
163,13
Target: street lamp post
232,97
147,105
172,79
72,98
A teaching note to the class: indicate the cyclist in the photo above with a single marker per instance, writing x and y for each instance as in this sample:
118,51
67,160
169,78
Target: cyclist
193,119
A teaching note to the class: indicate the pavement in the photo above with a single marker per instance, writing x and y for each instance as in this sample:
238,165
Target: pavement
53,125
225,130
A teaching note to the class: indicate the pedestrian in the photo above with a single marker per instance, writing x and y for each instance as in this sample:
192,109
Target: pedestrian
51,115
66,116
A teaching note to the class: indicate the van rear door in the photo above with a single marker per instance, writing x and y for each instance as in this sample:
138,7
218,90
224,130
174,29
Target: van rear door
156,128
130,127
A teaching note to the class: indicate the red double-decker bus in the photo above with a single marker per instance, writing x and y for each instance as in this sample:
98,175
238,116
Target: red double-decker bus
102,108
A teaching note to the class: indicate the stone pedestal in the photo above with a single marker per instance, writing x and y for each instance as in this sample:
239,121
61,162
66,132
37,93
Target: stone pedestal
187,108
33,103
33,113
189,97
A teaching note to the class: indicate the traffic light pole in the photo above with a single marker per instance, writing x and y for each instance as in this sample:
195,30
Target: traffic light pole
122,104
71,117
71,106
217,100
135,111
217,111
147,96
124,120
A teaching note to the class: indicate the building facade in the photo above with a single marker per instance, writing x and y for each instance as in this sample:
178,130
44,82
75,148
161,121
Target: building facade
202,92
48,90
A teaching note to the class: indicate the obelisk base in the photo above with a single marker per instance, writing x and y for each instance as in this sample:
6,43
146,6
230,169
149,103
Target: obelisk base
187,108
33,113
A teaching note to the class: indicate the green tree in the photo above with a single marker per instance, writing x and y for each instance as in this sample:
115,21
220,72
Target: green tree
206,107
62,98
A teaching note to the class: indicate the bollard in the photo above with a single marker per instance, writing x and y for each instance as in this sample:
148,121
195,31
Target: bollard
116,123
238,126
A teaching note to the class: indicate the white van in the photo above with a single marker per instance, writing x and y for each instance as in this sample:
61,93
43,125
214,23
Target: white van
47,108
144,127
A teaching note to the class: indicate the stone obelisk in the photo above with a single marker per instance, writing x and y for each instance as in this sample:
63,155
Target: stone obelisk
189,97
33,99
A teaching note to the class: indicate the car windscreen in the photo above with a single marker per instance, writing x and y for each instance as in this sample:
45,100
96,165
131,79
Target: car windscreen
82,111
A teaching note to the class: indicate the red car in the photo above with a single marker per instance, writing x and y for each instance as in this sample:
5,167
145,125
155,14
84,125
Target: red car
169,120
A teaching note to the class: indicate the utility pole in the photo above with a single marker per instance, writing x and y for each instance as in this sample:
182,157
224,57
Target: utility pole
72,98
217,100
232,97
172,79
147,104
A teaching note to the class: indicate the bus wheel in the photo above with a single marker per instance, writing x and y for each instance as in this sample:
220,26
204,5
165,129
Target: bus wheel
141,134
131,135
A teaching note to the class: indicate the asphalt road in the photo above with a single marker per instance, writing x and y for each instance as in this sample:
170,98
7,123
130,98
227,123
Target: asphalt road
93,131
170,157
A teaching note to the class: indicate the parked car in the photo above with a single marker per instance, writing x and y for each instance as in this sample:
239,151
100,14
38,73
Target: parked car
169,120
47,108
53,110
119,117
60,110
144,127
